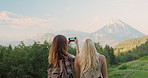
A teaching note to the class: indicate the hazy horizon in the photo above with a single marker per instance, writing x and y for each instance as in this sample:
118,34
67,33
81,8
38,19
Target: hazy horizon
25,18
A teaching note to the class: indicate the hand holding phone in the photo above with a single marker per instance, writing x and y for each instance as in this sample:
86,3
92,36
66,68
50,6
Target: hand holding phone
74,39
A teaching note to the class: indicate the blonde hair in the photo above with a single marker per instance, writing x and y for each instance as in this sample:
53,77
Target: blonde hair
88,57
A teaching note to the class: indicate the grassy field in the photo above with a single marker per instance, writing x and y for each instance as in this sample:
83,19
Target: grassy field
139,74
133,69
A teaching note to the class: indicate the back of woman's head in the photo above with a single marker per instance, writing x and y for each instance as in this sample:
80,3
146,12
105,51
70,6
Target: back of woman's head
58,50
88,56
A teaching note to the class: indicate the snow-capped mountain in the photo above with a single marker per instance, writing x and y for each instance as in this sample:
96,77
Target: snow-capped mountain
115,32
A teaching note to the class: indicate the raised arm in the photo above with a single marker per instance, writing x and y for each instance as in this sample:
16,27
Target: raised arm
77,46
104,67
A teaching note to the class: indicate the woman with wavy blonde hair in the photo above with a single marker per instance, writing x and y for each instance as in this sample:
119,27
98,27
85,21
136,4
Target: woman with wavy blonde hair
89,63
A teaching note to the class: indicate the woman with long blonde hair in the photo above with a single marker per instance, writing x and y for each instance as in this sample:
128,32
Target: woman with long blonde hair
89,63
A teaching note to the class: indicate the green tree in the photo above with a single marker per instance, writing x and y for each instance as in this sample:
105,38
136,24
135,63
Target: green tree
111,55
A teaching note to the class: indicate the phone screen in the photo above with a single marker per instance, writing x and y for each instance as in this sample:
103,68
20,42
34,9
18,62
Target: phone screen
72,38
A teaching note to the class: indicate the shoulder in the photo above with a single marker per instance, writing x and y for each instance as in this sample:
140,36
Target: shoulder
71,57
102,58
77,57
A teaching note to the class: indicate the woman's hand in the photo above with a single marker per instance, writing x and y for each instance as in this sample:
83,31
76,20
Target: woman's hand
68,41
76,40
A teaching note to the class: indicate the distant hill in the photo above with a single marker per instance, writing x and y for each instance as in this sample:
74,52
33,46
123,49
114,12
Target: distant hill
129,44
73,33
70,33
28,42
46,37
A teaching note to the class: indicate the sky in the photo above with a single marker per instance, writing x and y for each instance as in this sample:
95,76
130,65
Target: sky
20,19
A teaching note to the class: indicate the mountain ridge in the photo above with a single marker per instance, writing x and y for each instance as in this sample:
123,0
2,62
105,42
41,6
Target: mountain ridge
111,34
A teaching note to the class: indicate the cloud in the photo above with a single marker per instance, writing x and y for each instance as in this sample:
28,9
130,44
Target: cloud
17,21
18,26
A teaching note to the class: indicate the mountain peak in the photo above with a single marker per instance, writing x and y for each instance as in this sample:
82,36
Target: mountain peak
116,21
116,31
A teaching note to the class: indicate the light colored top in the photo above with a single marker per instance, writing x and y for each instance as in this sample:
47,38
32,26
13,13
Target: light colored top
96,73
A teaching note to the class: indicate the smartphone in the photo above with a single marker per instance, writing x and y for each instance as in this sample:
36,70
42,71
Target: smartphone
72,39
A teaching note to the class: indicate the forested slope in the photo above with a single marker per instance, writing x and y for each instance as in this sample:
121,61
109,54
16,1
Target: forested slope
129,44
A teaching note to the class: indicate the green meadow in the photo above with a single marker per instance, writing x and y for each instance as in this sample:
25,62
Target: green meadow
133,69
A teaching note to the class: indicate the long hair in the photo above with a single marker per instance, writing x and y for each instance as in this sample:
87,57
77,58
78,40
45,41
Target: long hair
88,57
58,50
